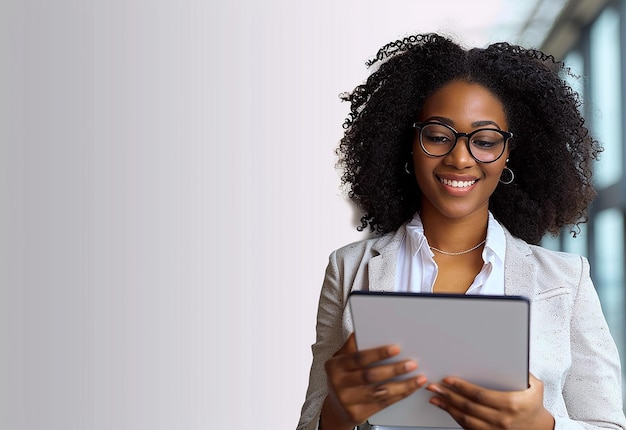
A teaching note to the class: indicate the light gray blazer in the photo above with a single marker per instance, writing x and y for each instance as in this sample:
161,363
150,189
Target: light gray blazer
571,349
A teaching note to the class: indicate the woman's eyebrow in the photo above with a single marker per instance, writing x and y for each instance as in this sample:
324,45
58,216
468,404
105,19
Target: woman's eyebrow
483,123
449,122
442,119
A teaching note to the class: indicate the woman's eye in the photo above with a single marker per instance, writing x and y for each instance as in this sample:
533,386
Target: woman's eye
438,139
487,139
484,143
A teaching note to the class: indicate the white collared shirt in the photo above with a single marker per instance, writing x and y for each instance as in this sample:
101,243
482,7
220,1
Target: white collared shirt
417,270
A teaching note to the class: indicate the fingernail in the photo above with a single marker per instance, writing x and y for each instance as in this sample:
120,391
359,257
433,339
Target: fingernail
449,381
410,365
435,388
393,350
421,380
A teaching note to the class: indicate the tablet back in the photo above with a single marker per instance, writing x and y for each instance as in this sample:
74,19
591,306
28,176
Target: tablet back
483,339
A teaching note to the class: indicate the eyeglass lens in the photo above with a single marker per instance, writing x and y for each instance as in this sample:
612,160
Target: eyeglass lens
484,144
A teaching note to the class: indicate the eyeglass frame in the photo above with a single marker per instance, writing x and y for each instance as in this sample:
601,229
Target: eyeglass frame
507,135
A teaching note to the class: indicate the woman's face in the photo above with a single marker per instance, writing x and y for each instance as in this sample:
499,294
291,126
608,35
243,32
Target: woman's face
465,107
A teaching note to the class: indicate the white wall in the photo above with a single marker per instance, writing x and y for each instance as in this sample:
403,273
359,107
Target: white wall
169,200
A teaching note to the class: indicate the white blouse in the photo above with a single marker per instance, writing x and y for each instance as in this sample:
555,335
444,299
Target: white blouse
417,270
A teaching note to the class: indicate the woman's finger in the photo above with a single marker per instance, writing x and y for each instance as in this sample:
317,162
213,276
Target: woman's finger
476,407
463,409
351,358
475,393
383,394
367,357
392,390
359,385
376,374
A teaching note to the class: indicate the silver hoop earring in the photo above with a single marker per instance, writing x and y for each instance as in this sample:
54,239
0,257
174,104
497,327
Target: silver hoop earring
406,168
507,176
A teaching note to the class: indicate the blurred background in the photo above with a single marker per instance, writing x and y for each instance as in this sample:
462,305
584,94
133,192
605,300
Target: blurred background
169,197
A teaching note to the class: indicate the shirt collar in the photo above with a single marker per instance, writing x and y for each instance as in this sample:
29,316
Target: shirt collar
495,244
415,234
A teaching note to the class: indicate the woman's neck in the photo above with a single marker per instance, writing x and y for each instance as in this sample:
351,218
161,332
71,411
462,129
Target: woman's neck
452,234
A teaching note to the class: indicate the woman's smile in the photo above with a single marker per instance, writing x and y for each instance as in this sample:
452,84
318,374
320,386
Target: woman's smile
457,184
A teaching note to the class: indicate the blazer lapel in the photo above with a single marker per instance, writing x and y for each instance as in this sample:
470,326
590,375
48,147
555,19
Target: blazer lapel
518,270
382,267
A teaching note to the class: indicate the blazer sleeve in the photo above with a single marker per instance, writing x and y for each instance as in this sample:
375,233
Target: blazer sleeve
592,389
329,339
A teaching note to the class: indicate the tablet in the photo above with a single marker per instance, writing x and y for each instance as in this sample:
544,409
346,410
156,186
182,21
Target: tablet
483,339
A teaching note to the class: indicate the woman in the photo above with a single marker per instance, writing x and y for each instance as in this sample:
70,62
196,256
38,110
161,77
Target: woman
462,160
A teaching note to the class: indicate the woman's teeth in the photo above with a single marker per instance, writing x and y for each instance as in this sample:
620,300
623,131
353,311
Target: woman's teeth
457,184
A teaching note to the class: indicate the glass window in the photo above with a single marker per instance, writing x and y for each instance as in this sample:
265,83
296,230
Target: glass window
597,60
605,108
550,242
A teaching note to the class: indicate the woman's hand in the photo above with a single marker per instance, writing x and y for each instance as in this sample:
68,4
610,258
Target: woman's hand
355,384
477,408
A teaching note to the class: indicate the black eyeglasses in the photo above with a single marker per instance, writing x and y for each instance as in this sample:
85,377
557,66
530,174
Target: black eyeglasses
486,145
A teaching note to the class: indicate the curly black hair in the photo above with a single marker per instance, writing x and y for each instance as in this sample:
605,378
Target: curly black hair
551,151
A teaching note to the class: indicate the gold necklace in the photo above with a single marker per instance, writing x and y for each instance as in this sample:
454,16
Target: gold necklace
460,252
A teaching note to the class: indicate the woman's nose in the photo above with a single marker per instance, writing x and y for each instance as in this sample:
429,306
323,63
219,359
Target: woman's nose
460,156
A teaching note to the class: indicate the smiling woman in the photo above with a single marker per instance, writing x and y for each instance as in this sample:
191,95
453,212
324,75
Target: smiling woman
462,160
